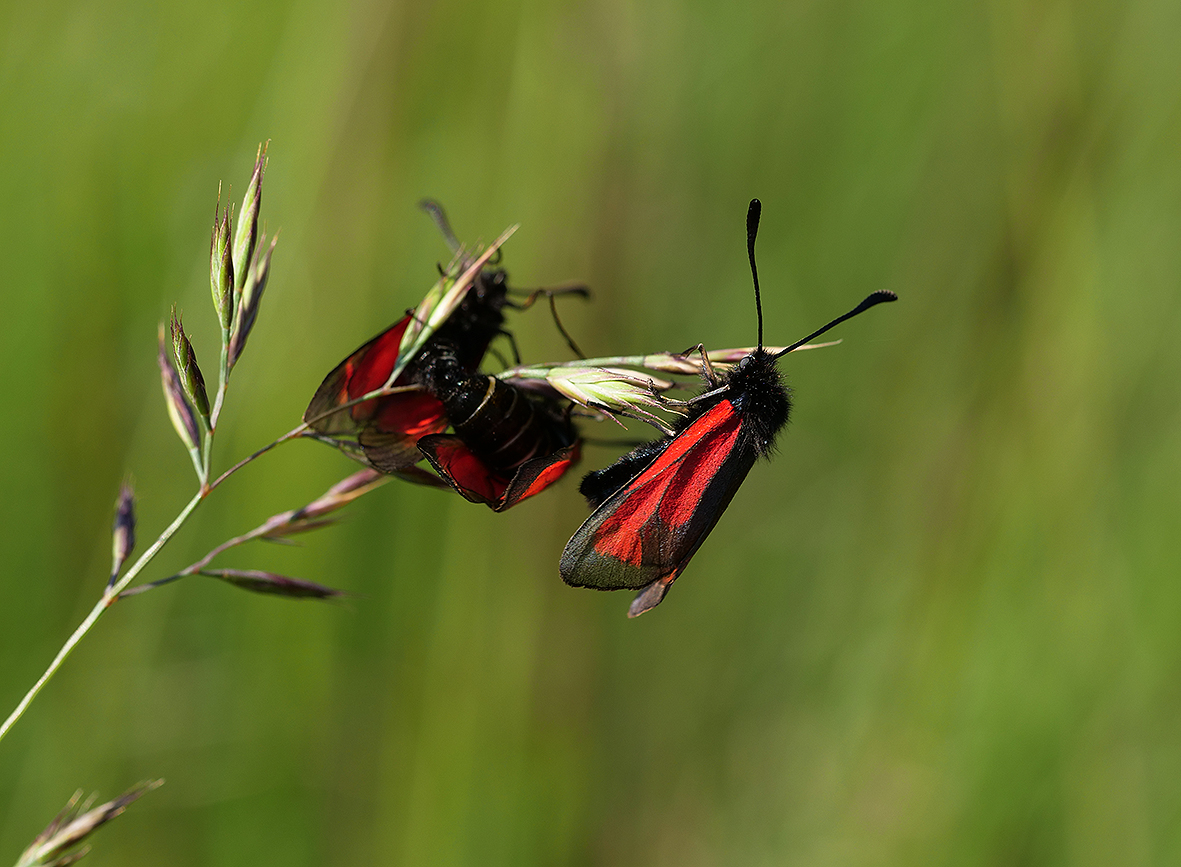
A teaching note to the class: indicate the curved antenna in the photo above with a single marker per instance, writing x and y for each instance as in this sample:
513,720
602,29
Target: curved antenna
753,212
439,216
873,300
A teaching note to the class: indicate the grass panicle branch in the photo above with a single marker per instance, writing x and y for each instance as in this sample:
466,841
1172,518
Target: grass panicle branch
59,843
238,276
279,527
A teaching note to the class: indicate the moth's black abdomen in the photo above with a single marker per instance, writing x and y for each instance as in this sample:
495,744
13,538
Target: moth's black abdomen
501,424
755,388
598,485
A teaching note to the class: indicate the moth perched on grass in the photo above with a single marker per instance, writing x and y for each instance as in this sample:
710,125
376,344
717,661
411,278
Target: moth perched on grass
426,368
655,506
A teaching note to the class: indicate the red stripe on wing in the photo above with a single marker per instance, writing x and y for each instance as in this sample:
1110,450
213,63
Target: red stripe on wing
370,371
366,369
477,483
666,495
413,413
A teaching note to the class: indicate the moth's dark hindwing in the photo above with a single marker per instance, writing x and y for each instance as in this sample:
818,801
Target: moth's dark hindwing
756,390
499,423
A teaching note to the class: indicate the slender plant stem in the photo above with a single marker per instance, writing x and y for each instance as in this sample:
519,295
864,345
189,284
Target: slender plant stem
223,378
256,533
223,382
201,460
111,594
198,464
206,457
108,598
290,435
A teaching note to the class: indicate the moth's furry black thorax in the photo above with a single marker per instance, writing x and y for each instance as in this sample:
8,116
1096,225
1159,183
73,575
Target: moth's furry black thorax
598,485
755,388
441,371
477,319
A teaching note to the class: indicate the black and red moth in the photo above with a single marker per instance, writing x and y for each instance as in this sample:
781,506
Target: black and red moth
508,444
655,506
449,332
387,428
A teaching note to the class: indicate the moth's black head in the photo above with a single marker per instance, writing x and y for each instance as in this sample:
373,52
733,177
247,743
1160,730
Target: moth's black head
490,289
756,390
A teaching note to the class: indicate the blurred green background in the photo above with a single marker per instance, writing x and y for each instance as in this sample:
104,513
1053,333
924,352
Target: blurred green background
942,627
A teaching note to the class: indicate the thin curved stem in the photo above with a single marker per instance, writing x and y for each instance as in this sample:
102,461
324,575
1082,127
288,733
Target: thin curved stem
111,594
290,435
108,598
201,460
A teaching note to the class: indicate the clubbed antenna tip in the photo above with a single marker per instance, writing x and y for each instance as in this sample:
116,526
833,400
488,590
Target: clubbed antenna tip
753,212
871,300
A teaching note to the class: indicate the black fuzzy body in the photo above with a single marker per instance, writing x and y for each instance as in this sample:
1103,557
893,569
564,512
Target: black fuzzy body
478,319
501,424
754,387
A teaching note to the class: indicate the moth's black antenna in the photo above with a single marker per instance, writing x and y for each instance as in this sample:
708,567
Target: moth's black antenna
436,212
873,300
752,229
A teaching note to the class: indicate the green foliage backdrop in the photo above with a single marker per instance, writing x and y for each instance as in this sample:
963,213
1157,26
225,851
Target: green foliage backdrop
943,627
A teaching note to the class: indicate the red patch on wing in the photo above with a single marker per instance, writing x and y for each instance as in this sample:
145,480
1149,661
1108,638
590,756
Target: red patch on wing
386,428
369,369
667,494
365,370
455,462
537,474
413,413
477,483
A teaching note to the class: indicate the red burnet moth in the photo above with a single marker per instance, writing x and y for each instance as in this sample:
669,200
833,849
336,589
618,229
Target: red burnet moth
655,506
387,428
385,432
